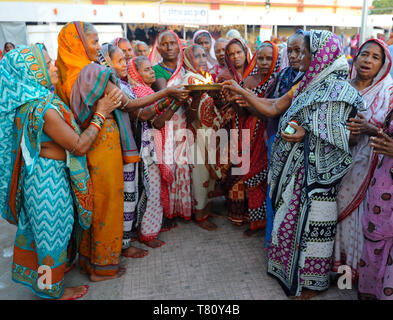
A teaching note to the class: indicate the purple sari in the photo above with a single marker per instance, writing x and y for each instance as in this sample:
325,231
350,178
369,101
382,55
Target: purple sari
376,263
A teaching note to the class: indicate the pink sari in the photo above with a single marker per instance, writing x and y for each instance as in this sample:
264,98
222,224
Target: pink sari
352,197
176,175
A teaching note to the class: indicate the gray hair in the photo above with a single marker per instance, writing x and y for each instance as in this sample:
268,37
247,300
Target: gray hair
220,40
233,33
88,28
138,43
139,60
262,45
164,33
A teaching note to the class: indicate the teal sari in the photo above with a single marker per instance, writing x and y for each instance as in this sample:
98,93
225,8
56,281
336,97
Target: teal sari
37,194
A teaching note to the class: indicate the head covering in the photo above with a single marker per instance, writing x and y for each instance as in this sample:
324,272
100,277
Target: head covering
230,71
324,84
72,57
155,57
25,97
269,78
140,88
326,58
193,71
377,94
233,34
377,97
211,55
128,145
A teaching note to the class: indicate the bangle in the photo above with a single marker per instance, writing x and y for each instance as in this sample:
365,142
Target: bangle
157,110
97,121
76,144
96,125
275,107
174,107
139,112
100,115
123,108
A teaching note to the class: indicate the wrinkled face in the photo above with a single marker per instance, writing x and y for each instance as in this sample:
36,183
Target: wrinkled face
204,42
265,60
52,70
220,53
236,55
200,58
168,47
93,46
142,50
305,58
147,73
369,61
119,62
8,47
127,50
294,50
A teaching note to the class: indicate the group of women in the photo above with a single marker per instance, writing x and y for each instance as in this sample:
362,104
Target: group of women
93,166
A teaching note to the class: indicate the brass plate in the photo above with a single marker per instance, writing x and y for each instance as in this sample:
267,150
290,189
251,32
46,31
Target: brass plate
202,87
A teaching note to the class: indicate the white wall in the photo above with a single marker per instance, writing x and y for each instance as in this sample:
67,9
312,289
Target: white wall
48,35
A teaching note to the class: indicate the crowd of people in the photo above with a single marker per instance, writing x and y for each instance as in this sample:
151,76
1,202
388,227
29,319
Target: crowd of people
88,165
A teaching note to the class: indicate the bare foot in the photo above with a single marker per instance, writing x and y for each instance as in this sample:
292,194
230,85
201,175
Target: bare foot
249,233
207,225
122,271
134,252
307,294
74,293
155,243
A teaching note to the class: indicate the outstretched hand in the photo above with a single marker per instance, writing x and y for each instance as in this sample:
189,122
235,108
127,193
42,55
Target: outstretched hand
231,85
178,92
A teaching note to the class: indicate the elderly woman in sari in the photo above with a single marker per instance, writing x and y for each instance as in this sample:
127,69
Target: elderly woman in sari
167,60
125,45
44,173
219,51
307,166
202,114
286,78
83,83
141,49
247,192
376,263
370,76
150,209
205,39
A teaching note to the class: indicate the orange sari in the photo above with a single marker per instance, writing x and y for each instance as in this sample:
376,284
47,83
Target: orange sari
72,57
100,249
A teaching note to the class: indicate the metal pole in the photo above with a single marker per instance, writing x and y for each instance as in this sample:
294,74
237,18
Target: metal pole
363,29
245,32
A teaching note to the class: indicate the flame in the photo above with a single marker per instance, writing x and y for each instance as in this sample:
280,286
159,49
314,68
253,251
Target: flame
197,81
208,77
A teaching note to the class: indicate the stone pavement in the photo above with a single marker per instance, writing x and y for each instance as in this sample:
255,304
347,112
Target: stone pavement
194,264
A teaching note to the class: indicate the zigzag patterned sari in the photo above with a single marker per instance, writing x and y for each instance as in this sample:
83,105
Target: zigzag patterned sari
37,194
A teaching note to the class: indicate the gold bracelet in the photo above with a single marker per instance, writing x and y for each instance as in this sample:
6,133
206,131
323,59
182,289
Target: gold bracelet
76,144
